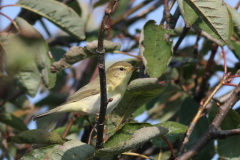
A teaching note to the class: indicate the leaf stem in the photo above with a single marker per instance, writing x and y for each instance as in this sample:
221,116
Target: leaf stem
170,146
13,22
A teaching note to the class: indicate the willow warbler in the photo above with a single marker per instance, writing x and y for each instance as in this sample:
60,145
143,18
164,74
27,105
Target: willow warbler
87,99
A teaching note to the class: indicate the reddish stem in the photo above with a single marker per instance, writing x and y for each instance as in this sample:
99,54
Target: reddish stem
94,74
13,22
9,5
170,146
234,76
90,136
230,84
225,61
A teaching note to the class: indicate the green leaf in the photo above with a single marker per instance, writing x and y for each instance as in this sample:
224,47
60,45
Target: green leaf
61,130
175,135
71,150
228,148
187,112
235,47
19,61
37,136
76,54
130,136
43,56
28,78
187,12
13,121
215,15
58,13
57,53
235,18
156,51
204,27
139,92
75,5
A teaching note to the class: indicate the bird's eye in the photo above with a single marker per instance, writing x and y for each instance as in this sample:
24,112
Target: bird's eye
121,69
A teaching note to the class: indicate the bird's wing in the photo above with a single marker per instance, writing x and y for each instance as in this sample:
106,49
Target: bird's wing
92,88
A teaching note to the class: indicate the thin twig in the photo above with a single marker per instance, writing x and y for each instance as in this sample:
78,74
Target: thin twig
138,57
9,5
45,27
180,39
230,84
90,136
211,131
144,13
70,123
199,113
13,22
237,5
102,75
129,12
205,34
172,157
225,61
160,155
136,154
206,75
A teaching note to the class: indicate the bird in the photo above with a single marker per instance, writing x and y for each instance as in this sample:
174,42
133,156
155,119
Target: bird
87,99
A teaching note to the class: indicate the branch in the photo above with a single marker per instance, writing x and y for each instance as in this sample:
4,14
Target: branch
206,75
238,4
199,113
129,12
144,13
205,34
102,75
13,22
212,131
180,39
225,61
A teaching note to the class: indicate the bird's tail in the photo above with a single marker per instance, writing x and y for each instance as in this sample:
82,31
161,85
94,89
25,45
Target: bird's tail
55,110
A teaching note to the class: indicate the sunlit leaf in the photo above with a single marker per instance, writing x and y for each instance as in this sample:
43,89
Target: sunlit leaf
175,135
58,13
156,51
44,58
139,92
187,12
215,14
130,136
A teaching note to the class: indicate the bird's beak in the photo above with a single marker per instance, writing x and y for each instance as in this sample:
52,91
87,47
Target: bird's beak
133,68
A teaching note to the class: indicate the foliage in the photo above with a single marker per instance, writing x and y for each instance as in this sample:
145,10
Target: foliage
169,87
